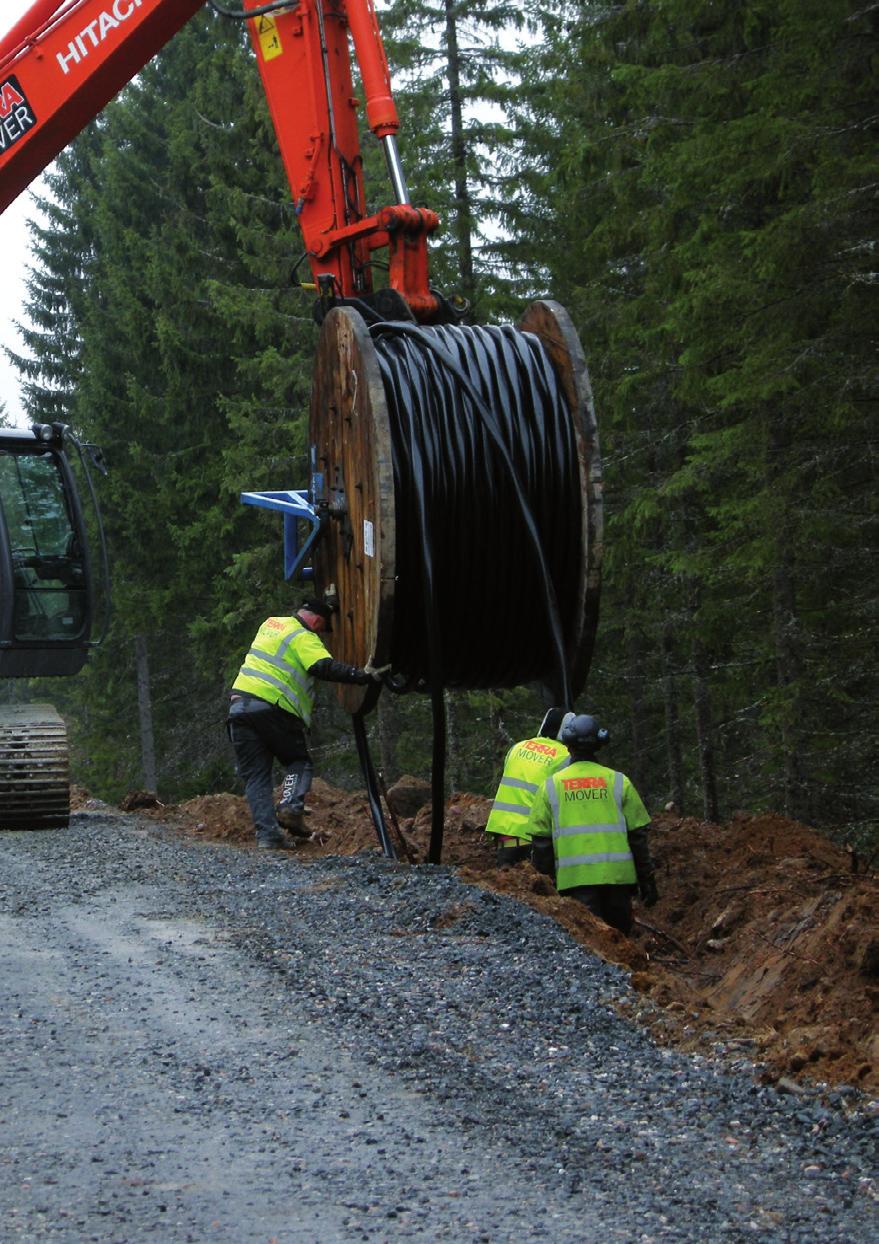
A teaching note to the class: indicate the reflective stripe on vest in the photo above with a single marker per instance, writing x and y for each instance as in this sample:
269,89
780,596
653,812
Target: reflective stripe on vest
602,866
515,794
519,784
284,666
568,831
516,809
291,691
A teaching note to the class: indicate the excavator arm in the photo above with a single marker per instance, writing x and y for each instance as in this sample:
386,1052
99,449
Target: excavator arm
65,59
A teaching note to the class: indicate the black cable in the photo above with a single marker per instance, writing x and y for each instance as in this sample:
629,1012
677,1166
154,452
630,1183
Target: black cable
488,502
488,529
373,794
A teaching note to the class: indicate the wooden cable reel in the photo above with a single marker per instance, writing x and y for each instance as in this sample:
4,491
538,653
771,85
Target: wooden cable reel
356,562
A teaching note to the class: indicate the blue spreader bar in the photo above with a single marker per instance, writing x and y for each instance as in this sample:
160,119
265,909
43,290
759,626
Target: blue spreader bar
296,508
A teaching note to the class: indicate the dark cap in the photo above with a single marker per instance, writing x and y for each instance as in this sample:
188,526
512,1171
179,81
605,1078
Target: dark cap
553,720
322,610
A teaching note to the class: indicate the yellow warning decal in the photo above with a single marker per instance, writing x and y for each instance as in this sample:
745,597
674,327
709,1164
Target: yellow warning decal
269,39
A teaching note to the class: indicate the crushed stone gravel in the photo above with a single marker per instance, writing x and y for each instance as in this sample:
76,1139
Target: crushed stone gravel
206,1042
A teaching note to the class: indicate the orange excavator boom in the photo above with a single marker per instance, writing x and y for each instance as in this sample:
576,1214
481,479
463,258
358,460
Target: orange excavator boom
65,59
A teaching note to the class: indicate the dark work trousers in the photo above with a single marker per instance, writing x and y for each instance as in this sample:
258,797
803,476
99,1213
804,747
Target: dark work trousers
262,733
610,903
507,854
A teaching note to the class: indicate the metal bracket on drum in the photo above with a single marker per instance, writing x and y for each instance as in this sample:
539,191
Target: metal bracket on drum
295,507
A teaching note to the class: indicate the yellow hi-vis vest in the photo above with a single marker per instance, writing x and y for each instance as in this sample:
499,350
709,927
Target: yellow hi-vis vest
276,667
589,811
527,765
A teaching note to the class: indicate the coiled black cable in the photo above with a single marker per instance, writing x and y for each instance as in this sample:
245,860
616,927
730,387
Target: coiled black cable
488,506
488,516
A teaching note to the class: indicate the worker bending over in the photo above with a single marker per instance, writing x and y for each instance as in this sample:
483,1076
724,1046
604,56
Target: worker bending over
527,765
270,711
598,826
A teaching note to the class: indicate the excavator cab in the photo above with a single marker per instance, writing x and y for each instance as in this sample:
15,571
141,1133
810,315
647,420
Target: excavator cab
48,600
47,589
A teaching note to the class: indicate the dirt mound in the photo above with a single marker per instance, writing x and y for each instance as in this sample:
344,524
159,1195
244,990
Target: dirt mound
765,942
408,795
338,819
772,934
137,799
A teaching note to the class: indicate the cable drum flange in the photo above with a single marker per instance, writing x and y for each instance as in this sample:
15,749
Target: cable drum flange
356,557
552,324
464,479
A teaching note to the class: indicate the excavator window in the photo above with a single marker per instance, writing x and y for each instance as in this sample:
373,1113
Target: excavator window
48,564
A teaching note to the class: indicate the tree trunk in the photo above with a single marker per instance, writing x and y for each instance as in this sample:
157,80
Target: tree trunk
453,760
385,713
784,622
672,724
705,733
145,713
787,677
463,223
639,707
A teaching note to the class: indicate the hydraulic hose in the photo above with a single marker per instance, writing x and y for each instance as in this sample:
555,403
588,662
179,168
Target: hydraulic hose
245,15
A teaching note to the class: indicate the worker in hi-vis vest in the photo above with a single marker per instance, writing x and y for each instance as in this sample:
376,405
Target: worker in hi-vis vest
270,711
526,766
598,826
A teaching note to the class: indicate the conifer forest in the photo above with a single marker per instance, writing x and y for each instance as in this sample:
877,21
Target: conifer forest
696,184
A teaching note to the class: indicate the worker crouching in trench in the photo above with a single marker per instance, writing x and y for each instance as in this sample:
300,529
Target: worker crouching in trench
527,765
598,827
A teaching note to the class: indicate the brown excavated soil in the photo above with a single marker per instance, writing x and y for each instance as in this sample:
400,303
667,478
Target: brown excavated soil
765,941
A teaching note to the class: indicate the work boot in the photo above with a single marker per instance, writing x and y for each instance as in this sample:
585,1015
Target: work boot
292,820
274,840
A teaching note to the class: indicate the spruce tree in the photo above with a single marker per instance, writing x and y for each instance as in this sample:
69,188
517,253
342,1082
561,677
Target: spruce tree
175,340
454,71
697,185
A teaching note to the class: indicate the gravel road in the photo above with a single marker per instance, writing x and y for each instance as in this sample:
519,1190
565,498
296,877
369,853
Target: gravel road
204,1043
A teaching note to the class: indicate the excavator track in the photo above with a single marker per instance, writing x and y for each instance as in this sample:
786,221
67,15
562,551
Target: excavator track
34,768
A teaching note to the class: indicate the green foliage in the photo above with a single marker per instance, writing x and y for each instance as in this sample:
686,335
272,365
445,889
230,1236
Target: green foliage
695,183
698,180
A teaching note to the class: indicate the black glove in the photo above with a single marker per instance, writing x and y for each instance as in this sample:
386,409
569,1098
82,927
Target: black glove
648,891
643,865
337,671
543,856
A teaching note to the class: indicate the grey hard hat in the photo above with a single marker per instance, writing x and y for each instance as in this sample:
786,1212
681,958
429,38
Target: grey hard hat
583,732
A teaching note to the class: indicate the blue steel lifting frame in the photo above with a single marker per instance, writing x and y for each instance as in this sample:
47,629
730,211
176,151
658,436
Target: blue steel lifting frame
295,507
